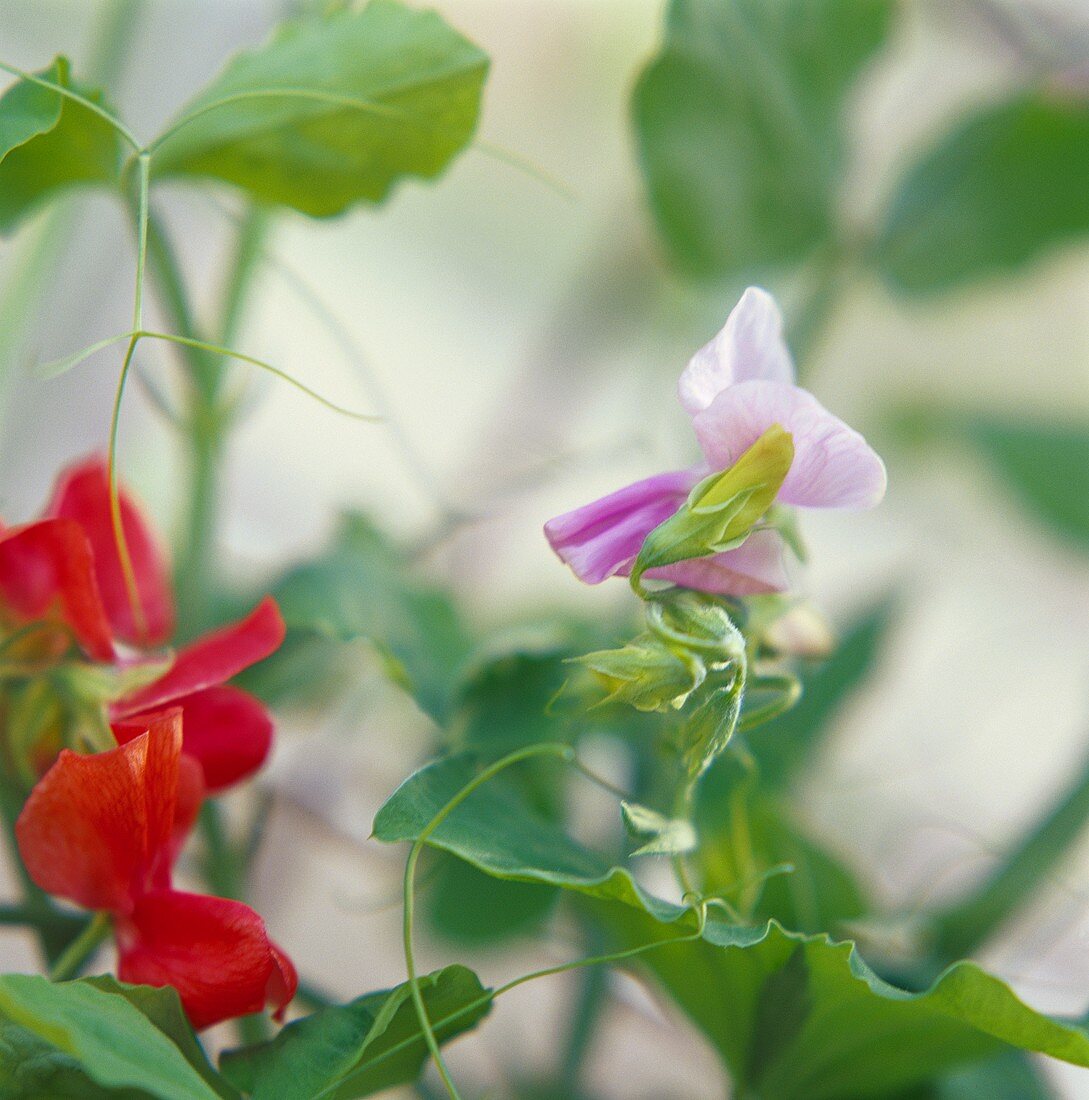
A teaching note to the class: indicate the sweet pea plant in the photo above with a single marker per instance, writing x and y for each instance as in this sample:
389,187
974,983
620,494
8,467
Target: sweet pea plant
134,696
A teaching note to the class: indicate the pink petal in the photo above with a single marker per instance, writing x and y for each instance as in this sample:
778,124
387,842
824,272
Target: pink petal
603,538
213,659
750,346
834,467
83,494
756,566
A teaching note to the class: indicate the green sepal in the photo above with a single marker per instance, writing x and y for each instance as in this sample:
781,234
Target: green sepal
722,509
664,836
708,729
647,673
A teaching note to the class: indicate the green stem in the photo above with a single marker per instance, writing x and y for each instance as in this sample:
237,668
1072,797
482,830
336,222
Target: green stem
565,752
221,865
82,948
33,268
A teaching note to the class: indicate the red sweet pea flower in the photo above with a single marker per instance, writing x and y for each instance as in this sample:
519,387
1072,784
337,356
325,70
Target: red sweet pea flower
103,831
66,570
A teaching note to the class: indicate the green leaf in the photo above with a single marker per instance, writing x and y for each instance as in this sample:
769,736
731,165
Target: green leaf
795,1017
49,142
663,835
106,1036
782,745
799,1017
359,590
995,193
452,904
1045,464
740,125
360,1048
162,1006
334,110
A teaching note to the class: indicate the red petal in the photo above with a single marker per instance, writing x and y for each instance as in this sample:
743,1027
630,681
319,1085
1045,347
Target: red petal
46,570
282,982
228,731
83,831
213,659
188,783
83,495
190,796
214,952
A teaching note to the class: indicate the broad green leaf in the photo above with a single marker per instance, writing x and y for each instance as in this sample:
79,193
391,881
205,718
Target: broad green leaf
163,1007
798,1017
360,1048
1008,1076
452,902
782,745
360,590
995,193
794,1016
49,142
740,125
105,1035
1046,466
334,110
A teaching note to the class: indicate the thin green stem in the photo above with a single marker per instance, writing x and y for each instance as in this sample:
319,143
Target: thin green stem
143,176
82,948
564,752
221,865
230,353
127,571
699,908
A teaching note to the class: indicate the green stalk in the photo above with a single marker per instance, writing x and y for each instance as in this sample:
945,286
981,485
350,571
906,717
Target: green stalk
964,927
82,949
41,253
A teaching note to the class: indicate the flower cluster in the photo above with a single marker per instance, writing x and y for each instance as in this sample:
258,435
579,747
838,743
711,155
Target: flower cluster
83,628
737,389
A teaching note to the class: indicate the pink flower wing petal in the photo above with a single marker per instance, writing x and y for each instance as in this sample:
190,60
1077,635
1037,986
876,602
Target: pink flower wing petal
834,467
749,346
600,539
756,566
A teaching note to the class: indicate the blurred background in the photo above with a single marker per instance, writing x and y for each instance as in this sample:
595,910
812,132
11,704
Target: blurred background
521,325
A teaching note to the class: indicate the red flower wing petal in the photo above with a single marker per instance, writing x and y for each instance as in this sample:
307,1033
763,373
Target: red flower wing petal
46,569
83,495
190,796
282,983
83,831
213,951
228,731
213,659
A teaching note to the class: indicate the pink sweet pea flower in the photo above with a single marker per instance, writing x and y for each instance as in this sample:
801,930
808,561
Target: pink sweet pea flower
735,389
